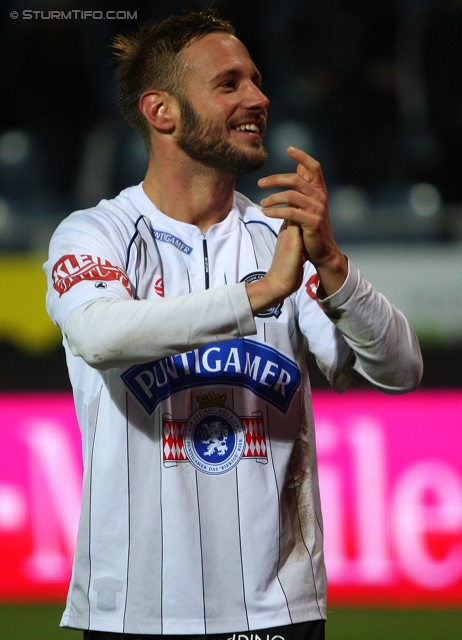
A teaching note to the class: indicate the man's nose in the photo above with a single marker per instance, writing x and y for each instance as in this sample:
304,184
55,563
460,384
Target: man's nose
255,98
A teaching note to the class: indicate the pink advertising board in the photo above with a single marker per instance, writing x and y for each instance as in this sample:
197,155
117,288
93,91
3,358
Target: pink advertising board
390,471
40,488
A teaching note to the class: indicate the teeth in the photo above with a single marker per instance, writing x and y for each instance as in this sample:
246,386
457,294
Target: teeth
248,127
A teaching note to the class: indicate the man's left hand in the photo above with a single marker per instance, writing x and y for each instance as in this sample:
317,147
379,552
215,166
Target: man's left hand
307,205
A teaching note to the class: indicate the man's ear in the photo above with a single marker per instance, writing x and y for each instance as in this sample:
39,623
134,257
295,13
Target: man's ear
159,110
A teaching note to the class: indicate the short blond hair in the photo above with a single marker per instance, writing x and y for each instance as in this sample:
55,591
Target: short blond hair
149,59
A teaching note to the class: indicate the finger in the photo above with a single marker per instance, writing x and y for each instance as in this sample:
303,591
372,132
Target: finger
292,234
292,180
290,224
309,168
295,199
290,214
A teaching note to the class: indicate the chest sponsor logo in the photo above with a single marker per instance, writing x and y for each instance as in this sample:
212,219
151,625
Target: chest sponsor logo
241,362
214,438
71,269
272,311
163,236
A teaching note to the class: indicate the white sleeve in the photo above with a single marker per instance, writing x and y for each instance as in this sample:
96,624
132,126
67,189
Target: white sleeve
111,332
385,352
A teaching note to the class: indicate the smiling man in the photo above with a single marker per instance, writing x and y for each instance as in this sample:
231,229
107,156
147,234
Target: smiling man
207,139
184,308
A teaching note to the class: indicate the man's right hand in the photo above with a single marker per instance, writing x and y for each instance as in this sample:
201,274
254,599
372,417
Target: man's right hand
285,274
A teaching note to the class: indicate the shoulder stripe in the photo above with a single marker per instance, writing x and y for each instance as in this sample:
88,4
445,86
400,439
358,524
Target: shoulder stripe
252,241
132,240
265,224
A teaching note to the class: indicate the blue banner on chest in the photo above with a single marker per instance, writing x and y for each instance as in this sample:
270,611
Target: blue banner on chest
241,362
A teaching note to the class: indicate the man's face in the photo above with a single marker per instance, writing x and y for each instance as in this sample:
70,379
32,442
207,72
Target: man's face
223,111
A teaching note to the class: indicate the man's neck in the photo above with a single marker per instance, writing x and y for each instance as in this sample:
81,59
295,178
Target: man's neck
189,193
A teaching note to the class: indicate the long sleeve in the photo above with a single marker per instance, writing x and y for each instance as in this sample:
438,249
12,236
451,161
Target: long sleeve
113,332
373,341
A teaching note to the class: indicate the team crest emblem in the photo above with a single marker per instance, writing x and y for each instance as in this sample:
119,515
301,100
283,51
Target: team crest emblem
272,311
214,438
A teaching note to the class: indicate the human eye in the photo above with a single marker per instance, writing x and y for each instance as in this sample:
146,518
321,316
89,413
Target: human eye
229,84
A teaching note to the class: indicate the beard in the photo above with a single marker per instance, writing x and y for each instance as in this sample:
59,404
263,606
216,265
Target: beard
206,142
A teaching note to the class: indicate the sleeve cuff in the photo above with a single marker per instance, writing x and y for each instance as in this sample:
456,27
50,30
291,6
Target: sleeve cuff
346,291
242,309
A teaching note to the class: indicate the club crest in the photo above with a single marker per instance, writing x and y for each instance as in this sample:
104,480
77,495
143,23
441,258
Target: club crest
214,438
272,311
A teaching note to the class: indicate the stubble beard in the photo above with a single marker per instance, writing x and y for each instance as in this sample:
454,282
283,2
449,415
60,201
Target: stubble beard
204,142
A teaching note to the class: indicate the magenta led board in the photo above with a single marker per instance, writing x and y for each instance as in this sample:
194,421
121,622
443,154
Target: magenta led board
390,472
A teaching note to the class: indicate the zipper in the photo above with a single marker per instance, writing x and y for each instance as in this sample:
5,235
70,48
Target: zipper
206,264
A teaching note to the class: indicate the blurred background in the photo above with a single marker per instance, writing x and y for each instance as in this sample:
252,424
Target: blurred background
373,90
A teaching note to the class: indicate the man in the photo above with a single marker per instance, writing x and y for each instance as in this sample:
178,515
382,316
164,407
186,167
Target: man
183,308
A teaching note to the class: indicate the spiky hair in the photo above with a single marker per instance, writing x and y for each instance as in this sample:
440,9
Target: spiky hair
149,59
